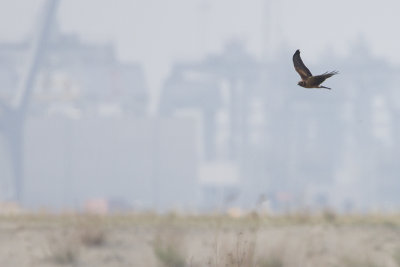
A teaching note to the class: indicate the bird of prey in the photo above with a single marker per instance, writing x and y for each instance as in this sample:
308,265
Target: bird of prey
307,79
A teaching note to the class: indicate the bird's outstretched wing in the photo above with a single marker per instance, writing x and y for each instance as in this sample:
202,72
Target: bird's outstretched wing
299,66
318,79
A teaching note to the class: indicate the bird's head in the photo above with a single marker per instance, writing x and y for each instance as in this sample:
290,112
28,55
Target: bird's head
301,83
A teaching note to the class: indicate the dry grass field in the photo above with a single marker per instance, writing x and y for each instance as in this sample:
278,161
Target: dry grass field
176,240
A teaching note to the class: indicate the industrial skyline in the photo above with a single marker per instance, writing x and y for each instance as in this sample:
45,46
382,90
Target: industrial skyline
226,125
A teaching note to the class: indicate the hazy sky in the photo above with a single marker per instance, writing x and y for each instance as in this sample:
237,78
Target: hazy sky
158,32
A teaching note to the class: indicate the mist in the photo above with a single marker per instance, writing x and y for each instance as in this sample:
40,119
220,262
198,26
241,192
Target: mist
194,106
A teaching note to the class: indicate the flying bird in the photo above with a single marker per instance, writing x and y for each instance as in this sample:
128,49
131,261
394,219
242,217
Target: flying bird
307,79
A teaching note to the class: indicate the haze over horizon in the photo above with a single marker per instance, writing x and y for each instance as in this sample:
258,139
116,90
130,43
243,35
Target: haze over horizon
153,103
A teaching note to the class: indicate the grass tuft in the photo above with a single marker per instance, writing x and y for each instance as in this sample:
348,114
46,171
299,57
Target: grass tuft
168,247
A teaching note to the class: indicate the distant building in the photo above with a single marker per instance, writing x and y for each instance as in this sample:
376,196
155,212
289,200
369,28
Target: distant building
76,75
88,136
222,93
317,148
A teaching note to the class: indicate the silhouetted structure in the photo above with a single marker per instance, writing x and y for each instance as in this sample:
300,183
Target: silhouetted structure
225,89
64,76
221,85
14,114
299,147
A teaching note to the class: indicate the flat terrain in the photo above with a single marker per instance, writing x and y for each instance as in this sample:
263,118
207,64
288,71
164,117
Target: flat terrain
173,240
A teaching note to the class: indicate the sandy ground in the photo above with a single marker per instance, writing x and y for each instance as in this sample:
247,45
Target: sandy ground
171,240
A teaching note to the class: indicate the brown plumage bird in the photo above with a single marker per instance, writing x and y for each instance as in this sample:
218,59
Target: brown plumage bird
307,79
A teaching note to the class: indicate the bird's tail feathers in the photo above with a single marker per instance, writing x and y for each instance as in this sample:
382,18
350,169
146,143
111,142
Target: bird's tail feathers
331,73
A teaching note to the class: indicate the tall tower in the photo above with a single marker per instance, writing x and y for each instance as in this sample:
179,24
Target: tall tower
12,116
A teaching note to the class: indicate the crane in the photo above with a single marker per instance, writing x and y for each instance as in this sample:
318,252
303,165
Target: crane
13,115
